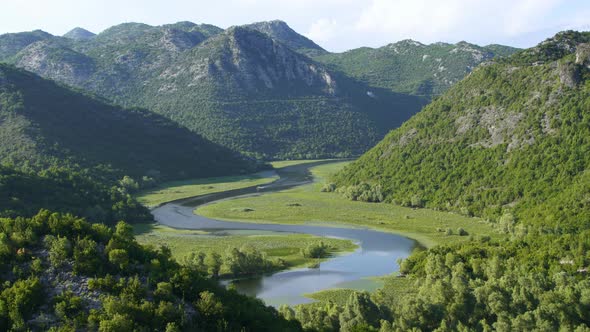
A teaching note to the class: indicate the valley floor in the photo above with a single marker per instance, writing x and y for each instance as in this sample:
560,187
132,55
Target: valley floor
273,245
175,190
308,205
304,204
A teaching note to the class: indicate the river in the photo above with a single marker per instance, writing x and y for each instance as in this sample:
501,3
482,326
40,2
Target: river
377,254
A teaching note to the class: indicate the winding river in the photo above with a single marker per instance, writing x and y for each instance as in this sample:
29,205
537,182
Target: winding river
376,256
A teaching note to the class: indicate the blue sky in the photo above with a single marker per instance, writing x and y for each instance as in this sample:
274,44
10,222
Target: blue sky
337,25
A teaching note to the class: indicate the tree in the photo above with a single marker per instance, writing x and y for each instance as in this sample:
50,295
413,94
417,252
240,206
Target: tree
213,262
60,249
117,323
359,310
87,258
119,257
208,305
164,291
128,184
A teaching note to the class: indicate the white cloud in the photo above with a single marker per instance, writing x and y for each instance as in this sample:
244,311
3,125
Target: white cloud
322,30
434,20
336,24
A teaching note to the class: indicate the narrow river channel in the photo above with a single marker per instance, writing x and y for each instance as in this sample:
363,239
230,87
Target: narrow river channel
376,256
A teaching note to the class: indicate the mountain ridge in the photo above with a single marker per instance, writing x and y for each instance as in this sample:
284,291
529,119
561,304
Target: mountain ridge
44,124
272,101
501,142
78,33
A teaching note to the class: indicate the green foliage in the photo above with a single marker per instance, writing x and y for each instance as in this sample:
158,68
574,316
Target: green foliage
129,287
43,125
316,250
273,103
59,248
510,140
411,67
363,192
18,301
65,190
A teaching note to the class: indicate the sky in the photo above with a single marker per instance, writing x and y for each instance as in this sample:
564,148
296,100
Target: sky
336,25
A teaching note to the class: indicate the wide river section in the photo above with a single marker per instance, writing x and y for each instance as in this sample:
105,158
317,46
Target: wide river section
376,256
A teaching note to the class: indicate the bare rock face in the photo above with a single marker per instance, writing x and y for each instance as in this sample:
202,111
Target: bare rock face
583,55
55,62
279,64
281,32
177,40
569,74
252,62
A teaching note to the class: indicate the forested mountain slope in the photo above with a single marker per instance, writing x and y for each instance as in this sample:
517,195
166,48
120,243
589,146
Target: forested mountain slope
43,124
510,143
61,272
246,88
512,138
253,94
411,67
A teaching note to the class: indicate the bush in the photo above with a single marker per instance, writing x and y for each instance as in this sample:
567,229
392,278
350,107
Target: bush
363,192
315,250
417,201
328,187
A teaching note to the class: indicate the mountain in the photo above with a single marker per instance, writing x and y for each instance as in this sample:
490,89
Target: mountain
281,32
44,124
12,43
79,34
509,141
412,67
244,89
206,30
59,270
254,94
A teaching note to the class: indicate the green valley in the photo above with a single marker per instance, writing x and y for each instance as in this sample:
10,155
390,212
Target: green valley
195,177
308,205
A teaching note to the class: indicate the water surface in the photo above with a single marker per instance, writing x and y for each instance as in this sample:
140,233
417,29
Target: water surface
377,254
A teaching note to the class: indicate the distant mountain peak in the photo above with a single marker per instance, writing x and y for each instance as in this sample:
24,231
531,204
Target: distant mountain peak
281,31
409,42
79,34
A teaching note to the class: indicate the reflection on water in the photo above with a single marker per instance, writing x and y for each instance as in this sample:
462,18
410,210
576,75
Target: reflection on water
376,256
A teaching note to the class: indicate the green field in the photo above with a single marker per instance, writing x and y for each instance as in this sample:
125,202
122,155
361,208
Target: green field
306,204
175,190
285,246
171,191
285,163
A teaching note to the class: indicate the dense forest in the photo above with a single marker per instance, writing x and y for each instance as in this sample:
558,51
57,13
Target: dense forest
509,144
43,124
65,274
411,67
68,258
509,140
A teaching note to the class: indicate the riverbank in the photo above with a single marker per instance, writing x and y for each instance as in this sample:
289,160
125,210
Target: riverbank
295,203
306,204
274,245
177,190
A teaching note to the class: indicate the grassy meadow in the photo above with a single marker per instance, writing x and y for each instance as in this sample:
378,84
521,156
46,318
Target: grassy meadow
274,245
175,190
308,205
